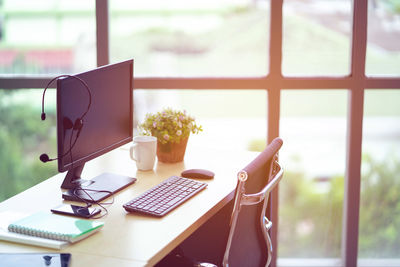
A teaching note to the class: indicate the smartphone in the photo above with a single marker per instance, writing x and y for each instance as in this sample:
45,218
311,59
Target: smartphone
78,211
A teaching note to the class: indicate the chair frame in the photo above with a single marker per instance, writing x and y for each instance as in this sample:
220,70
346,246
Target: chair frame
242,199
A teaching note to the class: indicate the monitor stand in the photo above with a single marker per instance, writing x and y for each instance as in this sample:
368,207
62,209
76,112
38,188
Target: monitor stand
94,190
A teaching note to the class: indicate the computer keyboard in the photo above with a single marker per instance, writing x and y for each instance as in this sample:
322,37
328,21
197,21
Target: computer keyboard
165,196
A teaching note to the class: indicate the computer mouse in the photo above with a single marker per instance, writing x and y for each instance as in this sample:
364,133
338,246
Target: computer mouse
198,173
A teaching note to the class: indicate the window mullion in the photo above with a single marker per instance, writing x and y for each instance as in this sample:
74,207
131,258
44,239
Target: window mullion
359,40
351,201
274,100
102,33
24,81
275,43
274,83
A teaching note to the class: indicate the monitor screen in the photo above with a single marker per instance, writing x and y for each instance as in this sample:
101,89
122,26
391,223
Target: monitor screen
105,111
108,123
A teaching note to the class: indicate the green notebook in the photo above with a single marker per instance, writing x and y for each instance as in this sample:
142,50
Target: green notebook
53,226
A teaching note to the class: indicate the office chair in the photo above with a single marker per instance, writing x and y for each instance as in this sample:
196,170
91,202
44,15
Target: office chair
248,243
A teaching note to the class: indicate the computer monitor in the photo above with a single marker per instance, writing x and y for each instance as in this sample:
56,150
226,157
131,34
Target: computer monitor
106,110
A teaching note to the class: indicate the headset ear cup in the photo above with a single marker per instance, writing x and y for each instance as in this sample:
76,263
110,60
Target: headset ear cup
67,123
78,124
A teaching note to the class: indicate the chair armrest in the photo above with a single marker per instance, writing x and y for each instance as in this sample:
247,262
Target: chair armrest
249,199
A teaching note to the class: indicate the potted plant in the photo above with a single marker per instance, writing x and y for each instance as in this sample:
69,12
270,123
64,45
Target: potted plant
172,129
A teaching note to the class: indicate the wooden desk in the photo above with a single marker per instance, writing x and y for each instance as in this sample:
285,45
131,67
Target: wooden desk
129,239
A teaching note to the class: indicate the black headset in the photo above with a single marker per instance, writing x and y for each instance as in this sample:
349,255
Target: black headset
76,126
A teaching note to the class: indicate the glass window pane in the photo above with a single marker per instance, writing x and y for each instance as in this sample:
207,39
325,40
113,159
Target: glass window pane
191,38
316,37
24,137
47,36
231,119
313,128
379,234
383,46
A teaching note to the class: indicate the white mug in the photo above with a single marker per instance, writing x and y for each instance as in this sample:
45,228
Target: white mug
143,151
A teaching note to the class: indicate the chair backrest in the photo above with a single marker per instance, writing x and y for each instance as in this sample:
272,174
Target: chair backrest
249,243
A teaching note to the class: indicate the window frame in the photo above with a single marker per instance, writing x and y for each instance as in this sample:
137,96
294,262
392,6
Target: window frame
273,83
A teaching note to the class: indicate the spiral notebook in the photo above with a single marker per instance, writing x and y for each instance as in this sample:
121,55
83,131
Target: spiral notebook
57,227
